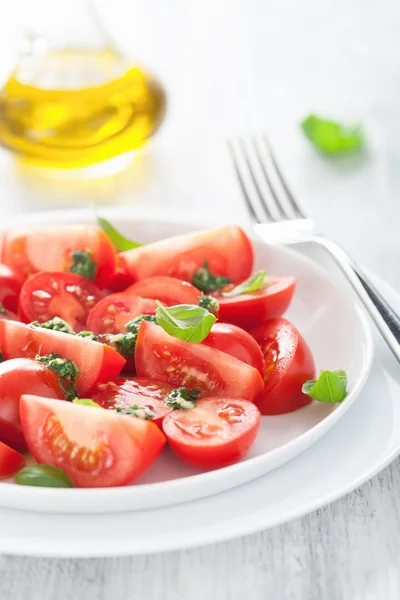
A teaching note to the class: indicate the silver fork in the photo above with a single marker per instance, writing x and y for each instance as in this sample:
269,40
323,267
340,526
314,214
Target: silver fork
277,218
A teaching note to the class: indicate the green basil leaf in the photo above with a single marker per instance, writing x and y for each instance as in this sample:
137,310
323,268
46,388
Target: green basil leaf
206,281
332,138
185,321
331,386
43,476
120,242
86,402
83,264
210,303
252,284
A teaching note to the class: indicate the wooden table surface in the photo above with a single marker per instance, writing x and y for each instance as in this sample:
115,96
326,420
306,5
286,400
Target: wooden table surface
234,67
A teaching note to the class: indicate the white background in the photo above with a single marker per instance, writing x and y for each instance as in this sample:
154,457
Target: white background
235,67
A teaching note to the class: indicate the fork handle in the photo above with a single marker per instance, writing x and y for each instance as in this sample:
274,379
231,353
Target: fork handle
383,315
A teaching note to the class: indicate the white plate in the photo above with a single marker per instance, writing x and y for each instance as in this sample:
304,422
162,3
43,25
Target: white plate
338,334
362,443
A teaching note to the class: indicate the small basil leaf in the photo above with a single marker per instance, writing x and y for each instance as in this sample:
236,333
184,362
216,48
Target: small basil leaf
332,138
43,476
210,303
86,402
252,284
331,386
206,281
119,242
185,321
83,264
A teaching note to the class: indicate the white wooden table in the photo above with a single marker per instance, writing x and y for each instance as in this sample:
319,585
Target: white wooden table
230,67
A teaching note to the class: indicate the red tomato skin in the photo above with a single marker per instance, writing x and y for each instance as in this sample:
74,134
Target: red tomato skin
168,290
21,376
213,454
227,250
293,366
238,343
249,310
126,392
110,450
96,362
27,250
10,461
121,279
10,287
124,307
71,306
161,356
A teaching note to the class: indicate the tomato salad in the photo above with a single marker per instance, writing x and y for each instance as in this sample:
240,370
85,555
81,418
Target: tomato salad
111,349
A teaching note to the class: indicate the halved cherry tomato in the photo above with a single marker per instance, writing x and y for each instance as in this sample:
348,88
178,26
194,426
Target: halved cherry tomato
96,362
28,251
249,310
214,434
65,295
95,448
236,342
10,461
121,279
142,391
22,376
9,288
227,250
288,364
194,366
112,313
168,290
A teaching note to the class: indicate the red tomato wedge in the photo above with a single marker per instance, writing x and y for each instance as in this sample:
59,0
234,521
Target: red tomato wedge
217,433
236,342
227,250
95,448
145,393
30,250
96,362
112,313
10,461
9,288
22,376
194,366
288,364
65,295
168,290
249,310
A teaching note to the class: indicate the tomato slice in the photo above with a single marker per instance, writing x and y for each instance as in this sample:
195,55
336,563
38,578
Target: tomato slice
112,313
10,287
288,364
214,434
28,251
65,295
194,366
168,290
249,310
96,362
95,448
10,461
22,376
236,342
227,250
121,279
142,391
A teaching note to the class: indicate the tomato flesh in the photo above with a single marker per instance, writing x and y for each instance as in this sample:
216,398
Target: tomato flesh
10,287
146,393
10,461
29,251
214,434
288,364
95,448
249,310
227,250
236,342
65,295
112,313
194,366
168,290
96,362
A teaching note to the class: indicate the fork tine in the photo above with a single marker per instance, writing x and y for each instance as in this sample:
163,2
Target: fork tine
289,196
256,185
275,197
